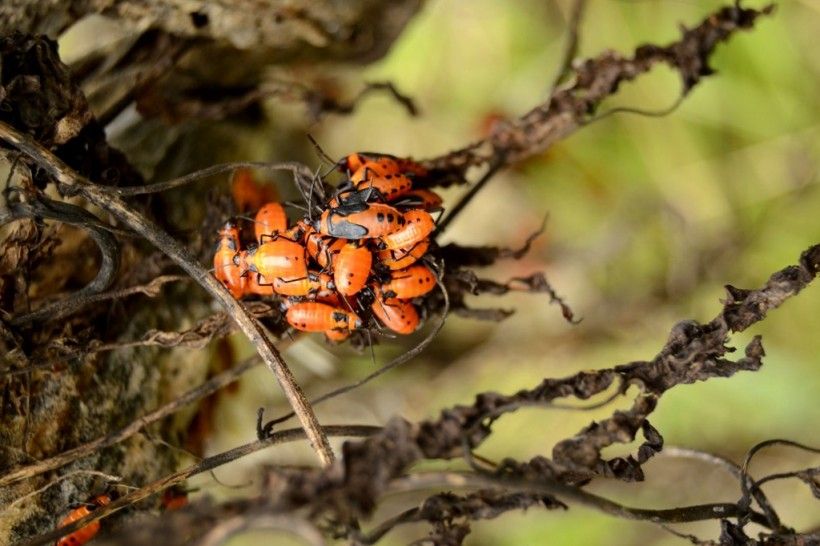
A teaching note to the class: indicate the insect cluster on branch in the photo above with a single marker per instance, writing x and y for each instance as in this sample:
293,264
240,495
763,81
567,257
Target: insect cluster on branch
360,262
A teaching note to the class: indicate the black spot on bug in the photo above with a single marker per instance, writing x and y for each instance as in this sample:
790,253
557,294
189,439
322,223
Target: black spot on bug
380,217
199,19
390,217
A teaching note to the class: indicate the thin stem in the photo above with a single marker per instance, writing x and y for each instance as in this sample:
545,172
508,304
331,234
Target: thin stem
206,465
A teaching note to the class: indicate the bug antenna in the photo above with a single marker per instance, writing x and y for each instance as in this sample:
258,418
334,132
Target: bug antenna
370,344
296,206
320,151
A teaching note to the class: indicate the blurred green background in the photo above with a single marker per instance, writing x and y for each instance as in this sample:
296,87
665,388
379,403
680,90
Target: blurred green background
648,219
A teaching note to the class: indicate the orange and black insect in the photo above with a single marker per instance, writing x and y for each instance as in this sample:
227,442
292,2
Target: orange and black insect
174,498
314,283
417,226
322,248
391,186
277,259
311,316
360,221
86,533
416,280
270,220
258,286
352,268
397,315
352,197
420,198
337,336
378,163
225,270
404,257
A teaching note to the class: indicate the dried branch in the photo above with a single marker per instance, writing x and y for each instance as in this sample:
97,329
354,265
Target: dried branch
205,465
69,214
318,102
441,510
571,46
570,107
72,183
196,176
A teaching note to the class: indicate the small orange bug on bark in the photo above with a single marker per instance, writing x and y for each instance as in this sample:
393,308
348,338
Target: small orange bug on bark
311,316
352,268
86,533
174,498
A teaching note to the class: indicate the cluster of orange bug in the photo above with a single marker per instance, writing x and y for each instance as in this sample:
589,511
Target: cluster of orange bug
362,257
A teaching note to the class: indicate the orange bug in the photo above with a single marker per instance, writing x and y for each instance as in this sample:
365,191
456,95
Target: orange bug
391,186
378,163
421,198
314,283
280,258
331,298
403,257
383,174
258,286
269,220
408,166
360,221
337,336
322,248
311,316
174,498
384,162
405,284
247,193
352,197
352,268
225,270
397,315
418,225
86,533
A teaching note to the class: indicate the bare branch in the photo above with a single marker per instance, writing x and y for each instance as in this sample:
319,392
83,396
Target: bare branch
570,106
